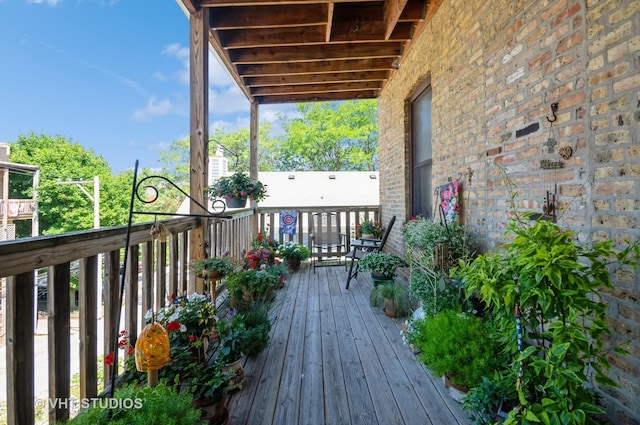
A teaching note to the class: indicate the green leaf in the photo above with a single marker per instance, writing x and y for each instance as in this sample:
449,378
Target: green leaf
530,416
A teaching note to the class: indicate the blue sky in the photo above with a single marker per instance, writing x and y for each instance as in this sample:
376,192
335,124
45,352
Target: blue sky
112,75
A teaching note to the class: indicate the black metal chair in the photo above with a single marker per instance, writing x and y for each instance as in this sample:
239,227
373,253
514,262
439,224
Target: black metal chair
328,243
362,247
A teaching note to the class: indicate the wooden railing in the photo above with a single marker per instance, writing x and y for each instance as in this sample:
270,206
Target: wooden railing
155,269
345,216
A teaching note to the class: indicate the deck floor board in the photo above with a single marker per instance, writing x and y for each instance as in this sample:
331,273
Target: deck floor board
334,359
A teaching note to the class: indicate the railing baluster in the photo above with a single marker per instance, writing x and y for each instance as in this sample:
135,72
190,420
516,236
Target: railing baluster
131,295
88,308
147,279
20,361
111,300
59,339
184,259
173,264
161,274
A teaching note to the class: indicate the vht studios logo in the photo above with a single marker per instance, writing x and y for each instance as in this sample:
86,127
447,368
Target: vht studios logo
73,403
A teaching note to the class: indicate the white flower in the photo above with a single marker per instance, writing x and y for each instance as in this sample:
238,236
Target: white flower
183,328
148,315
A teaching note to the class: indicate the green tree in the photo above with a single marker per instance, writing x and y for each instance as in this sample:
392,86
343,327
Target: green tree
330,137
176,162
64,207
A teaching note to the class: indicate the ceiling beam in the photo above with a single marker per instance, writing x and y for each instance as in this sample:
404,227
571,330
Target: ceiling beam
392,11
316,97
298,79
330,8
268,16
230,3
316,67
263,37
287,54
315,88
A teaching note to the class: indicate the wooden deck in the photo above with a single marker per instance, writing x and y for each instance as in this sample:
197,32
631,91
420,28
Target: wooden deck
333,359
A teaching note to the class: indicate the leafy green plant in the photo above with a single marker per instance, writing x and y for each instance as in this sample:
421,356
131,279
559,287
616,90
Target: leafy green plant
425,233
553,281
384,263
396,294
435,290
231,332
223,265
484,401
159,405
204,381
293,250
370,227
238,185
458,345
256,329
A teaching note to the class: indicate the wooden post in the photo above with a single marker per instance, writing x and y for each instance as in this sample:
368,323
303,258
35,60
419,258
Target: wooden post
152,378
253,157
199,124
88,308
59,339
20,355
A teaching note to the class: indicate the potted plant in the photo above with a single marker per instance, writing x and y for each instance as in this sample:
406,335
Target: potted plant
382,265
256,329
369,229
206,383
394,298
458,345
293,253
213,267
229,350
236,188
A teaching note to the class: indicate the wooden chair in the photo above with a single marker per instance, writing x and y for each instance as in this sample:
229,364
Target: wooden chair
327,240
362,247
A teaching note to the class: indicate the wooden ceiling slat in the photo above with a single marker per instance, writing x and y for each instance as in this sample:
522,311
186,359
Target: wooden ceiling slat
317,97
287,36
264,55
315,88
268,16
315,67
315,78
231,3
392,11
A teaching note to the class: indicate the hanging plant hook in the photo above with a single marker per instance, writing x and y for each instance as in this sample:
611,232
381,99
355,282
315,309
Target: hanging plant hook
554,109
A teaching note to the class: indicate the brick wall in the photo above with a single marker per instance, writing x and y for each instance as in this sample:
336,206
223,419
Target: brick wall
495,68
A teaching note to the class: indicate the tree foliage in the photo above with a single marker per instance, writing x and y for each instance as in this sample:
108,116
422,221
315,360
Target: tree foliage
64,207
330,137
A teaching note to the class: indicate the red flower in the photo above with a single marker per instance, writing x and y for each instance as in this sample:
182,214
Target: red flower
109,358
122,343
130,351
173,326
123,333
192,338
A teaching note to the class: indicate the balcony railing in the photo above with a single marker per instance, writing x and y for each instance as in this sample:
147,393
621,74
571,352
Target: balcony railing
154,269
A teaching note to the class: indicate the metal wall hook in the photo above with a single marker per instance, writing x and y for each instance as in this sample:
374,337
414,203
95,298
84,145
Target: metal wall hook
554,109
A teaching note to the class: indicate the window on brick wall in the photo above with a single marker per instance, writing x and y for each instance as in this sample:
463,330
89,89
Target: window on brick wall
421,155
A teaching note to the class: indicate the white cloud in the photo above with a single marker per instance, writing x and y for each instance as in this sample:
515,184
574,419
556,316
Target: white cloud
228,101
48,2
154,107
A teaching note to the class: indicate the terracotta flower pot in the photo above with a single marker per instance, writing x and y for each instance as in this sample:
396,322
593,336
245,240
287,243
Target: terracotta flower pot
293,263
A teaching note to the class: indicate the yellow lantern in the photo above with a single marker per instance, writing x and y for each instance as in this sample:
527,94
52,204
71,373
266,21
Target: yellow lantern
152,348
